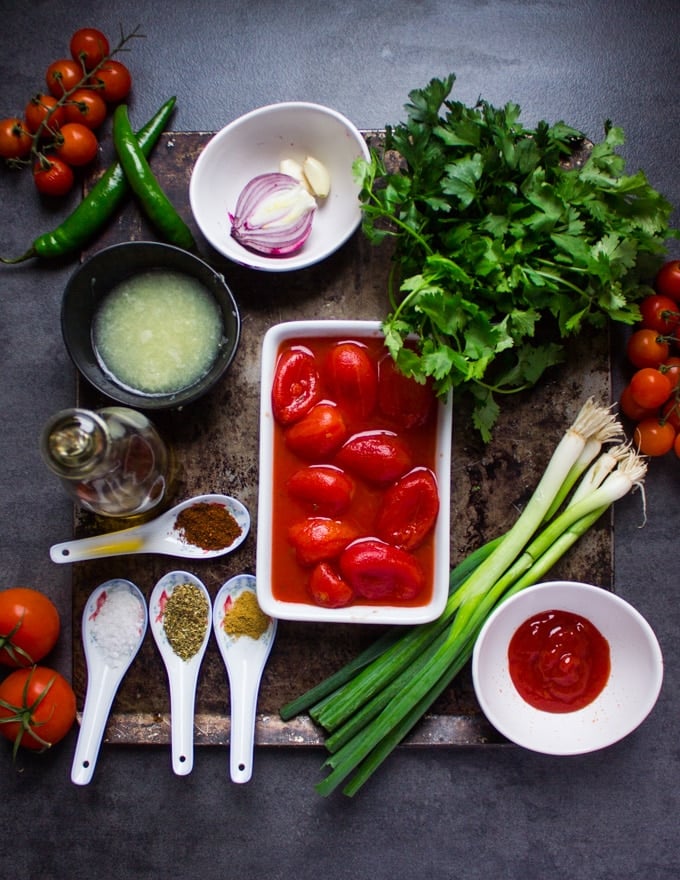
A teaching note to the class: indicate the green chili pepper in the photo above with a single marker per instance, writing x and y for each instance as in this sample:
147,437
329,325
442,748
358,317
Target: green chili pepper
100,204
156,205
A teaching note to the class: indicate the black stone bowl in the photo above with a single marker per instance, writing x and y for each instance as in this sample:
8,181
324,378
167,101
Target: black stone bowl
94,279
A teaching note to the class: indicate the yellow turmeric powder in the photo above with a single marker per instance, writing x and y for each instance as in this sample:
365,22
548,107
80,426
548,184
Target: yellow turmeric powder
245,617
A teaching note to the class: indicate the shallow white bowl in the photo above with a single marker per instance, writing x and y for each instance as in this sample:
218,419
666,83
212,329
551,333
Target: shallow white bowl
628,697
382,614
255,144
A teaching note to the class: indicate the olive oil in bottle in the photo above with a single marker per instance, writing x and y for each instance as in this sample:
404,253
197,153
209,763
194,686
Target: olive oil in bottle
111,461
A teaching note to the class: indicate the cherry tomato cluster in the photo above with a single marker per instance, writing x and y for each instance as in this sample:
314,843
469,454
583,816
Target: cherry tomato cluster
57,132
37,704
358,499
651,399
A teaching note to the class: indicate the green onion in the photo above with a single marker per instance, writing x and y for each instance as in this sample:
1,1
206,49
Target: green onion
368,707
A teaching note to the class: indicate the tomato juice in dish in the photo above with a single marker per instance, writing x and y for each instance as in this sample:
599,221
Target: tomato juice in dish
558,661
157,332
354,449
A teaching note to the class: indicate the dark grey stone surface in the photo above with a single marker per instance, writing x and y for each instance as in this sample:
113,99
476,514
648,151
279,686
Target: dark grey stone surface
474,813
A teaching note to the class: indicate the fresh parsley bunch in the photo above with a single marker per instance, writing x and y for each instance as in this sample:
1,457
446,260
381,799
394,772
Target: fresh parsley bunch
503,241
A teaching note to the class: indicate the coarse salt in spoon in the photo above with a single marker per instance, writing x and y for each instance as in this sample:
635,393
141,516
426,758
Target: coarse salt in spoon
161,535
245,636
114,624
181,613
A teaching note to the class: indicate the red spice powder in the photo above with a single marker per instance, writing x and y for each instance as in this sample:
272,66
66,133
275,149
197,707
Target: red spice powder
207,525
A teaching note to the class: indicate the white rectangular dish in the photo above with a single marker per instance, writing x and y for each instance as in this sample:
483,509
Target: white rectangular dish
361,611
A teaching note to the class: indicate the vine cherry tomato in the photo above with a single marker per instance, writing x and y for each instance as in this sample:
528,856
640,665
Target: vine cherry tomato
113,81
319,538
86,107
676,445
650,388
402,398
318,434
325,489
671,368
76,144
53,177
375,570
45,111
409,509
670,412
660,313
41,705
89,46
296,385
646,348
15,138
328,589
376,456
631,409
654,437
63,76
352,378
667,281
29,626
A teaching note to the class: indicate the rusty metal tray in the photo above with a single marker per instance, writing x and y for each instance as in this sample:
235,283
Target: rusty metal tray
216,443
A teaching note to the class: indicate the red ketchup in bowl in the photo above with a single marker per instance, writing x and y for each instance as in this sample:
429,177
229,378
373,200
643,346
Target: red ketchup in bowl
558,661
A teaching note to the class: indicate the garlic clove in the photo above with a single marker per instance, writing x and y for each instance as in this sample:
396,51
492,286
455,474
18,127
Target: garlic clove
293,169
317,176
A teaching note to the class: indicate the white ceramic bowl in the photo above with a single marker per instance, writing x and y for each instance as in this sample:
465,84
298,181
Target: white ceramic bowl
255,144
357,613
628,697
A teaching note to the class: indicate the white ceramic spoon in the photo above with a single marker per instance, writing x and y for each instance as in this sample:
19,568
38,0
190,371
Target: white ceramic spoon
111,639
159,535
245,659
182,674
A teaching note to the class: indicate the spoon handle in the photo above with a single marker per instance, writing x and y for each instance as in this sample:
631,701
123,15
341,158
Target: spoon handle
244,682
182,703
101,691
114,544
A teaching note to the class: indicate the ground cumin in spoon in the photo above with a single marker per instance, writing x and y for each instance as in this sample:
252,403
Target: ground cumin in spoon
207,525
244,617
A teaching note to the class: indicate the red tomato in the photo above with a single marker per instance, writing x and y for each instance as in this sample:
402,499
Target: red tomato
15,139
76,144
670,412
86,107
409,509
113,81
650,388
667,281
646,348
654,437
402,398
318,538
631,409
318,434
63,76
676,445
296,386
377,456
671,368
89,46
53,177
352,378
45,111
326,489
659,313
29,626
42,705
375,570
328,589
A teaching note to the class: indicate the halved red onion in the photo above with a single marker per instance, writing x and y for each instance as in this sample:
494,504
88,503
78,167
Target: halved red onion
273,214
